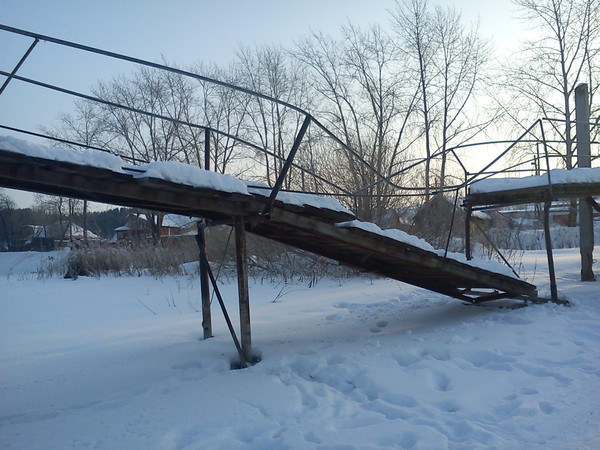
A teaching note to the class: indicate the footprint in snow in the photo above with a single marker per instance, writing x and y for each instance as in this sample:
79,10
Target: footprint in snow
450,406
546,408
488,360
187,365
19,419
307,352
441,381
378,327
542,372
335,359
311,437
406,359
439,354
408,440
398,399
529,391
508,408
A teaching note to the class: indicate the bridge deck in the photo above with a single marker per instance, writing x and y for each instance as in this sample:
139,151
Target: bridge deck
324,231
565,184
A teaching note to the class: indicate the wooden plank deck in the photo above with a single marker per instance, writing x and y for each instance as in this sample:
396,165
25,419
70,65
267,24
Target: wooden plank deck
307,228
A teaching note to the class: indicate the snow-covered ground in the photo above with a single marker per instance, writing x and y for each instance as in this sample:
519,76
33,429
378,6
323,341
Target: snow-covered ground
120,363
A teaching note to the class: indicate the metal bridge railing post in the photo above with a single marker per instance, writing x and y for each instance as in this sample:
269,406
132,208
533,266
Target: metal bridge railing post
207,149
18,66
286,166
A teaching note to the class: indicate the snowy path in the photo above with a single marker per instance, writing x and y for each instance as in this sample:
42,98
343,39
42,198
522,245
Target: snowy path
118,363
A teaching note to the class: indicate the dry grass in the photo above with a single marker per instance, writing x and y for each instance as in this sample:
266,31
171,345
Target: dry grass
267,260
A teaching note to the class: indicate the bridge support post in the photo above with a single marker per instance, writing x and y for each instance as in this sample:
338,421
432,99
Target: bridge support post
206,149
586,218
204,286
243,290
468,213
548,238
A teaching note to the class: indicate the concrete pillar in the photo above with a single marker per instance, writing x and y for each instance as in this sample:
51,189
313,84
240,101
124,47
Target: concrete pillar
586,218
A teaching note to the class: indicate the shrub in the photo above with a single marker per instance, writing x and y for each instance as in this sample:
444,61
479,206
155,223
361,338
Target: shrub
158,260
267,260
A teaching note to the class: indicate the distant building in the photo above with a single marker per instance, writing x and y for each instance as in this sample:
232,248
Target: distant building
52,236
176,225
34,238
136,229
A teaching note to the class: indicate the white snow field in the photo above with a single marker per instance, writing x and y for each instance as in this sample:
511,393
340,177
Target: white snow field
119,363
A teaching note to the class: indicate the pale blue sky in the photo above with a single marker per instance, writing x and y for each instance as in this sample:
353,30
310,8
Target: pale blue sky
187,31
184,32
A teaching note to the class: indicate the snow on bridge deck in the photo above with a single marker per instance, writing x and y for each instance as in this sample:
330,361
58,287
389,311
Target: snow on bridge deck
309,222
555,185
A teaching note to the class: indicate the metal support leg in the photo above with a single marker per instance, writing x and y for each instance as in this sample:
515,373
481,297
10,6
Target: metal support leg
224,310
451,225
586,240
243,291
468,254
548,238
204,283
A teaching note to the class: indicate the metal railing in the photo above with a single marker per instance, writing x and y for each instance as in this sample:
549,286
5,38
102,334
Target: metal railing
288,161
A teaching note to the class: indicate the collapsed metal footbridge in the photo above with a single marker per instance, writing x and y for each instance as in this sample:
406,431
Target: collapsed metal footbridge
305,221
301,221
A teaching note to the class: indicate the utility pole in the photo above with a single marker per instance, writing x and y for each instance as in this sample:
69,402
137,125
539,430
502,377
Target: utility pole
586,218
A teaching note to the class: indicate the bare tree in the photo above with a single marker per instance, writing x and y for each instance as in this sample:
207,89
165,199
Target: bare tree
158,123
448,60
547,69
414,23
7,231
268,70
458,65
180,103
545,72
61,211
368,101
86,124
223,109
148,136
